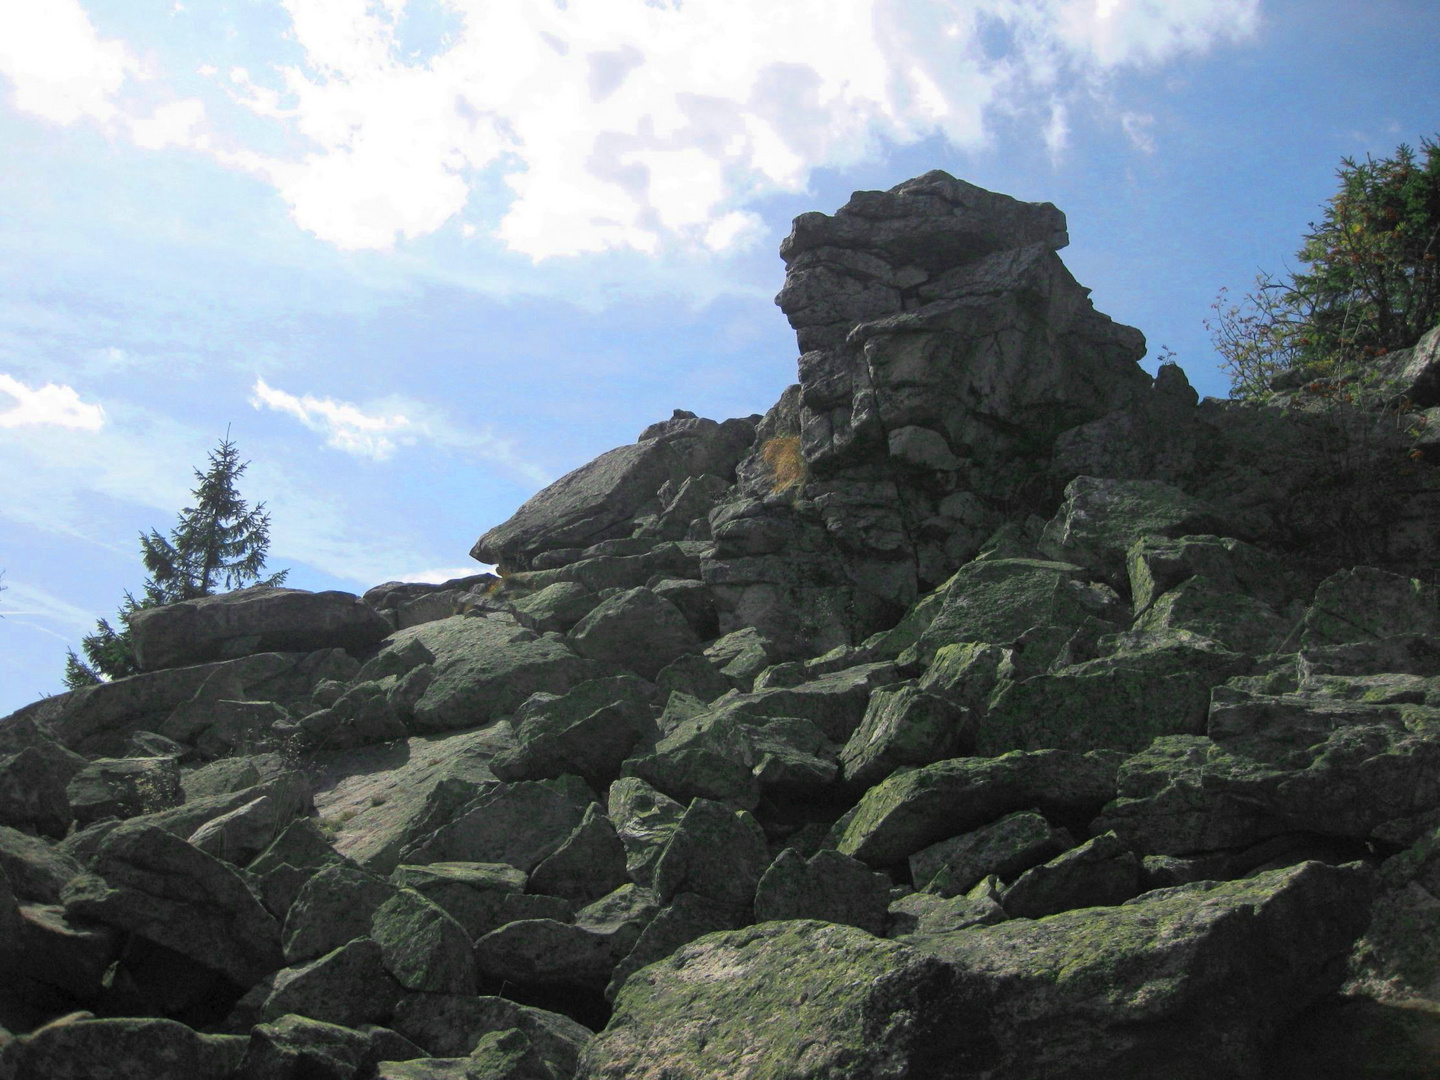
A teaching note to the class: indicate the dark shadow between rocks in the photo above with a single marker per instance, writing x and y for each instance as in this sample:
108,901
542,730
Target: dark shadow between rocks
587,1007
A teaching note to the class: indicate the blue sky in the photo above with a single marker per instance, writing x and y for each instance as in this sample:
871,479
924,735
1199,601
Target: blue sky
423,256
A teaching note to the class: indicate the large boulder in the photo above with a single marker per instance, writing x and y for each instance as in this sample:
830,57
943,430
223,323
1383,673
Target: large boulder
156,886
87,1048
254,620
794,999
635,629
484,667
1189,982
601,500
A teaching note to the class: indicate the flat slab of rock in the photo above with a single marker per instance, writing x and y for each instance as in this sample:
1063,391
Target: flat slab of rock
485,667
254,620
913,809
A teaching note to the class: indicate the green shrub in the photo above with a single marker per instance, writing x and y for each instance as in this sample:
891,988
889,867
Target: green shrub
1371,282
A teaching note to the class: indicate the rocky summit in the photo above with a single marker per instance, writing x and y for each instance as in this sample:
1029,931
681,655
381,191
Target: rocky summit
987,708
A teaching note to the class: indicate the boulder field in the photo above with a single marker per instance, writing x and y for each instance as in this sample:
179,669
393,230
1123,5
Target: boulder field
988,708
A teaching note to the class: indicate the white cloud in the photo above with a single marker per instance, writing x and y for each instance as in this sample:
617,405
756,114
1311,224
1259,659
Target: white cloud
378,432
179,123
345,426
61,69
629,124
36,603
52,405
437,575
1138,128
1057,131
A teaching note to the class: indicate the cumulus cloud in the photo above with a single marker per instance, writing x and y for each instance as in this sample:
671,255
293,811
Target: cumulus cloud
63,71
571,128
52,405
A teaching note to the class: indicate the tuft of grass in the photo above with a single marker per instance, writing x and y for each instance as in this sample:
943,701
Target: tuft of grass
788,466
331,827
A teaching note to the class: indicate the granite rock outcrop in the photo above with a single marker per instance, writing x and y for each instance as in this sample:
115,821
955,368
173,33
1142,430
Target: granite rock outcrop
987,708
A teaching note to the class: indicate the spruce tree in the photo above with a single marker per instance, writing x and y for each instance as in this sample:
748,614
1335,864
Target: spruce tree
218,544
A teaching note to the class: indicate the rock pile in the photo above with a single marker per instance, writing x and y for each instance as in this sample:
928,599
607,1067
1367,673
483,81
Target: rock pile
985,709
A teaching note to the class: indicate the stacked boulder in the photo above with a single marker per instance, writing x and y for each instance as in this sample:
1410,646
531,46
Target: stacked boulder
862,739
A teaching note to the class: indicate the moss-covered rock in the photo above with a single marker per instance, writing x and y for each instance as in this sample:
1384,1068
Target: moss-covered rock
1151,685
1006,848
828,886
802,1000
84,1048
996,600
917,807
1187,982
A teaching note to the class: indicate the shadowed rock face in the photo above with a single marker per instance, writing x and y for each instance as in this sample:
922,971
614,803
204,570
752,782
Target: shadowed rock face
986,710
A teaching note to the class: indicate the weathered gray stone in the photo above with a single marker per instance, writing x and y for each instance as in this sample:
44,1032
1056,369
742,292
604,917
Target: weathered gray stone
914,808
100,719
996,600
485,666
1149,686
349,985
644,819
693,599
1276,763
1156,564
930,913
827,886
453,1025
33,791
120,1049
1101,872
240,835
715,851
124,787
1128,1000
1236,621
592,747
248,621
581,955
45,947
422,946
1101,518
299,1046
694,676
588,865
557,607
905,726
333,907
1005,848
36,869
635,629
153,884
600,500
847,1005
687,917
479,896
517,824
1364,604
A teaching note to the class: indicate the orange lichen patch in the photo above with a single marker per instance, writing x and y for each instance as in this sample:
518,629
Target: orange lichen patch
787,464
